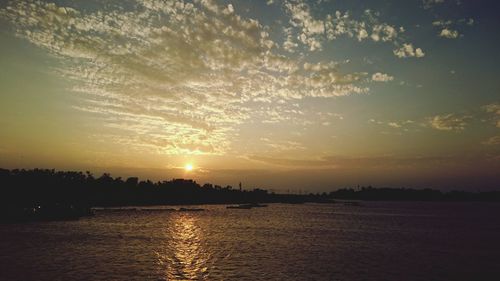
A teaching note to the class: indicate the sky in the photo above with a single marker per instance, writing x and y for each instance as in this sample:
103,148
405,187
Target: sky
284,95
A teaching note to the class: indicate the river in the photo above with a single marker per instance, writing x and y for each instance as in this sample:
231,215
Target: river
373,241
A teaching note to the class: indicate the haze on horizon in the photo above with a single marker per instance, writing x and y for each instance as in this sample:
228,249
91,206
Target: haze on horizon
292,94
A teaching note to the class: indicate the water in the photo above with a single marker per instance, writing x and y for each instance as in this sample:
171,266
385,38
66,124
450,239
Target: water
375,241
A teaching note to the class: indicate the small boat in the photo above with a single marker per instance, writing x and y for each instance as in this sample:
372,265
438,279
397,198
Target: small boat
50,212
352,203
191,210
241,206
257,205
158,210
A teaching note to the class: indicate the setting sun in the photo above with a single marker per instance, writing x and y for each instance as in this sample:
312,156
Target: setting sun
188,167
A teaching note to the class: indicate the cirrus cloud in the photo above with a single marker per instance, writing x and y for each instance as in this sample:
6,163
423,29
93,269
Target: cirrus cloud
448,122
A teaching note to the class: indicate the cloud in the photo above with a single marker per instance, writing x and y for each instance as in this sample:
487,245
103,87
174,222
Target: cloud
407,51
179,77
445,122
384,32
312,31
495,140
469,22
327,118
394,125
494,109
289,162
284,145
404,125
450,28
448,122
381,77
449,33
382,161
430,3
441,23
289,44
310,27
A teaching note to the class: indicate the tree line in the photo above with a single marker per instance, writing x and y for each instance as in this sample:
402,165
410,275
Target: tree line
42,187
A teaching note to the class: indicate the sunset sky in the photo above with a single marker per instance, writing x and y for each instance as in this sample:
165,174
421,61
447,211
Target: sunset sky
299,95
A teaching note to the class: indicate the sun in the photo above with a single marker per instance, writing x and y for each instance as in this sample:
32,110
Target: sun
188,167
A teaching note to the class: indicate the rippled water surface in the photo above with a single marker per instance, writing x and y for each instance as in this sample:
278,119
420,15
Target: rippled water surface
375,241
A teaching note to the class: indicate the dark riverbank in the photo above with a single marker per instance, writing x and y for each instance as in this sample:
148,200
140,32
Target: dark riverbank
44,194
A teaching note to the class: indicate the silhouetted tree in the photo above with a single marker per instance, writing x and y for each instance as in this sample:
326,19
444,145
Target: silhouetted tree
26,189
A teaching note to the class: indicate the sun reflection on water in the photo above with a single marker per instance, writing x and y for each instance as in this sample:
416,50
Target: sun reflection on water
187,258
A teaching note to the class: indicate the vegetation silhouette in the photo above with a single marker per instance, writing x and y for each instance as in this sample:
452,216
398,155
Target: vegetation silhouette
54,194
407,194
43,194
